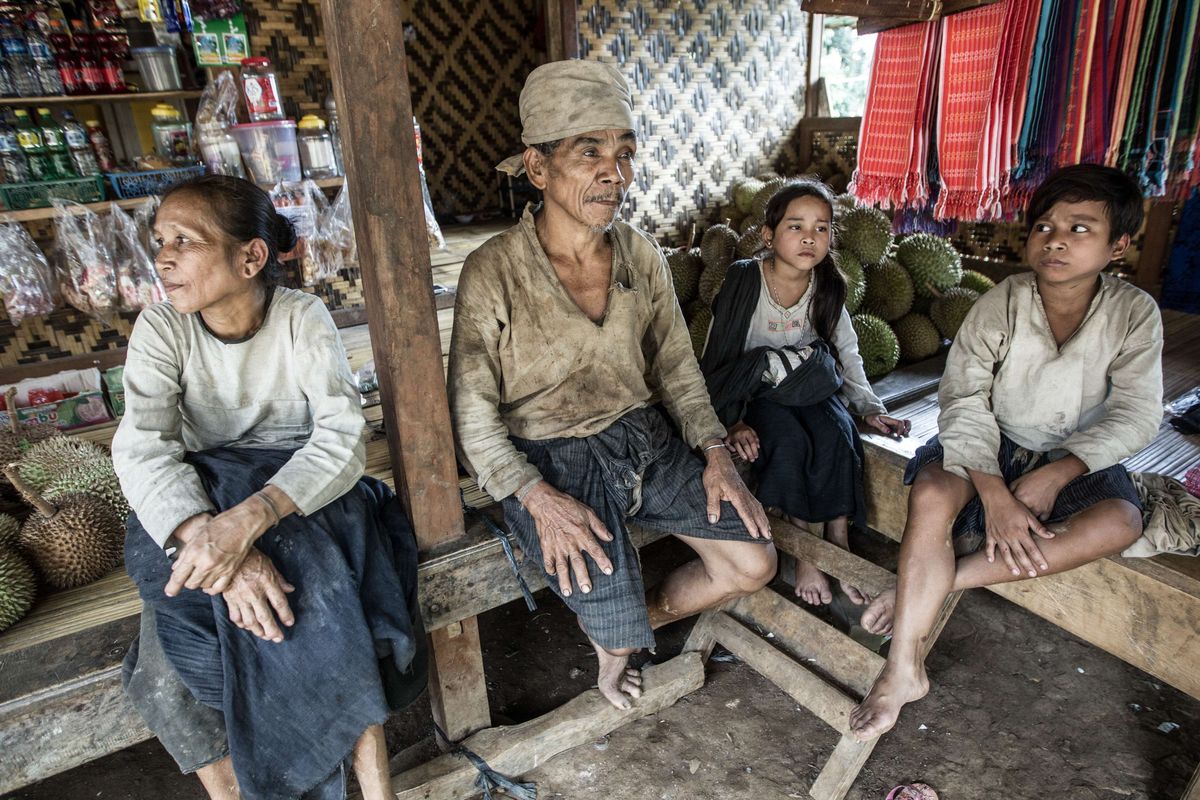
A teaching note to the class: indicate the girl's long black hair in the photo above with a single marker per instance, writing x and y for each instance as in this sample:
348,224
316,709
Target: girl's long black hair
829,289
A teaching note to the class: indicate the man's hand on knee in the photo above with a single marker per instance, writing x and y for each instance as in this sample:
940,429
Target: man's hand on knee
256,595
566,530
722,482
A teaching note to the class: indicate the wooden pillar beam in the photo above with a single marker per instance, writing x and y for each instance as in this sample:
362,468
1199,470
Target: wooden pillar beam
370,82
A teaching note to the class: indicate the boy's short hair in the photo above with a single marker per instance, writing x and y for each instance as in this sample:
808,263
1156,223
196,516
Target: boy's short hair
1080,183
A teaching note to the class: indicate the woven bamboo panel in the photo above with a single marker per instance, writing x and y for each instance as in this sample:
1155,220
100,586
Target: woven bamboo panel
718,89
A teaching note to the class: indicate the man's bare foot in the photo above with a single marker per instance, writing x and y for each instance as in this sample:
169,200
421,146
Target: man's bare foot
811,584
881,707
856,595
617,681
877,618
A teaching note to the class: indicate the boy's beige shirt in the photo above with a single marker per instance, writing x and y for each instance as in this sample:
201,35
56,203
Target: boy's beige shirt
526,361
1098,397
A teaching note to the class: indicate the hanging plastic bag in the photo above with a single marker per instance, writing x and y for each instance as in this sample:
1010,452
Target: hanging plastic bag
87,278
138,285
305,205
215,114
26,280
431,224
335,238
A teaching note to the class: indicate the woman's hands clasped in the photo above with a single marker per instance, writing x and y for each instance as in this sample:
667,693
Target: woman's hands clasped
215,546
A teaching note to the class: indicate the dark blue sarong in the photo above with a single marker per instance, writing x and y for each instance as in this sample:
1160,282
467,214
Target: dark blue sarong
293,711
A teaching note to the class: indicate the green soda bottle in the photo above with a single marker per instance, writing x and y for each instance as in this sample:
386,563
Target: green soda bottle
56,146
34,148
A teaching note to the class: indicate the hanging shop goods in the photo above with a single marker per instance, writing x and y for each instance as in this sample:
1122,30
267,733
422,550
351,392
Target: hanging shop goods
25,277
1022,87
216,112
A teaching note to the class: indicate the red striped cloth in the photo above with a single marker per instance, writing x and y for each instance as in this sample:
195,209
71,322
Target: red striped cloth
1008,100
970,57
1123,49
894,137
1089,41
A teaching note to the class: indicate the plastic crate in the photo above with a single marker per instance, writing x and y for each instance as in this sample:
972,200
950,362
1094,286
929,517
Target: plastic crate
20,196
144,184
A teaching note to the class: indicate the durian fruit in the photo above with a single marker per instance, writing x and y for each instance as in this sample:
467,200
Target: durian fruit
921,303
856,281
866,232
838,182
18,438
94,478
933,263
749,243
744,192
698,328
717,246
692,309
710,283
877,345
759,209
9,528
750,224
976,281
842,204
72,543
50,458
918,337
17,587
685,274
889,292
949,310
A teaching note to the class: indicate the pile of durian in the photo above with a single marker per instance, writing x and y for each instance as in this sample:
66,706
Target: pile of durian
74,526
905,298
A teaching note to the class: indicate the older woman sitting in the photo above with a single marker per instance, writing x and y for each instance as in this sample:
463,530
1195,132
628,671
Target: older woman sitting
280,622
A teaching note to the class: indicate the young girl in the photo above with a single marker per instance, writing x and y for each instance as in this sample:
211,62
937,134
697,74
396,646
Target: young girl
782,365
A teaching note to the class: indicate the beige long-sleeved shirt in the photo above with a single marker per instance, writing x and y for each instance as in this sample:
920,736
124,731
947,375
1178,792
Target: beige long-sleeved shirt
526,361
775,326
1098,397
287,387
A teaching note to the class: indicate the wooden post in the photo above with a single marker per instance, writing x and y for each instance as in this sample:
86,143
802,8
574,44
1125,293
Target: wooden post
370,81
1156,246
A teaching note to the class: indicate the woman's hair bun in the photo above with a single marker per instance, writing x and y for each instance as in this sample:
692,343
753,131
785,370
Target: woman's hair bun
285,234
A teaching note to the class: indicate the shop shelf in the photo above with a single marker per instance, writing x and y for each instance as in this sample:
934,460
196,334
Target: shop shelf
20,196
127,185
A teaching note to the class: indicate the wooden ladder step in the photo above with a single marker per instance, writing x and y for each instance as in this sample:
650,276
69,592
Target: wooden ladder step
811,641
823,699
828,557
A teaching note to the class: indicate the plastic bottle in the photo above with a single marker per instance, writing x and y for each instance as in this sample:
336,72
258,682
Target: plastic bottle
335,132
82,157
30,139
69,71
16,57
261,90
172,136
44,63
13,162
316,148
57,151
107,47
220,151
6,82
100,146
90,76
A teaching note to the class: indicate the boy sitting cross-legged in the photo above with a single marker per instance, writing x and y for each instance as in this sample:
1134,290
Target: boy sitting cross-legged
1054,378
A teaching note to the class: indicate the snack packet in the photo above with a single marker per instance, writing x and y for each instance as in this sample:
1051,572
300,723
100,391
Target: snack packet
87,278
26,281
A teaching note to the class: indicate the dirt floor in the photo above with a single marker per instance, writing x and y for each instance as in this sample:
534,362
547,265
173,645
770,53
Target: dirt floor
1018,709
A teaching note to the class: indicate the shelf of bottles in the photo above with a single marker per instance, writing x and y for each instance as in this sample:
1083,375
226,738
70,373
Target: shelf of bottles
127,97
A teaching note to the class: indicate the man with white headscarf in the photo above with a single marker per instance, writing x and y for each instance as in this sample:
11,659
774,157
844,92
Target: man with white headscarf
566,328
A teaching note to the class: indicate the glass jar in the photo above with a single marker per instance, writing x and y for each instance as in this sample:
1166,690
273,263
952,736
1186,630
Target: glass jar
261,89
172,136
316,148
220,151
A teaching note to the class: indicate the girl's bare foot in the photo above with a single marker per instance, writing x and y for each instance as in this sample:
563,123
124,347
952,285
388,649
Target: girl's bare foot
811,584
877,618
879,710
856,595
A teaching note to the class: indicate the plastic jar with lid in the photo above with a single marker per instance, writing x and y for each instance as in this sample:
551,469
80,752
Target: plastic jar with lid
220,151
172,136
316,148
261,89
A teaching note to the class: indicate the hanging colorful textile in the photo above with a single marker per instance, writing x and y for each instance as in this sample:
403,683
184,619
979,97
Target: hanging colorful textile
1181,284
1088,39
894,136
971,45
1184,138
1123,50
1147,75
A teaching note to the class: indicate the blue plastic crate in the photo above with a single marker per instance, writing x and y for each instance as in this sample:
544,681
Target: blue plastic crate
20,196
143,184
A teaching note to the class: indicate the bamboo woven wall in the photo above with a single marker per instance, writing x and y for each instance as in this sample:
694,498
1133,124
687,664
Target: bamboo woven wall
718,89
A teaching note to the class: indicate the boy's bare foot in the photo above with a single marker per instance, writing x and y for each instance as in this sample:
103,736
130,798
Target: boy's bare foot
617,681
877,618
881,707
811,584
856,595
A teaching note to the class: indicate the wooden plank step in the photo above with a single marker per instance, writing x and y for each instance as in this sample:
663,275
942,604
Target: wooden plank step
828,557
823,699
515,750
809,640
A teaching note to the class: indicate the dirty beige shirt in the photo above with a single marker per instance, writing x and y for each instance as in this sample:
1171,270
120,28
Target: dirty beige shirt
525,361
1099,397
